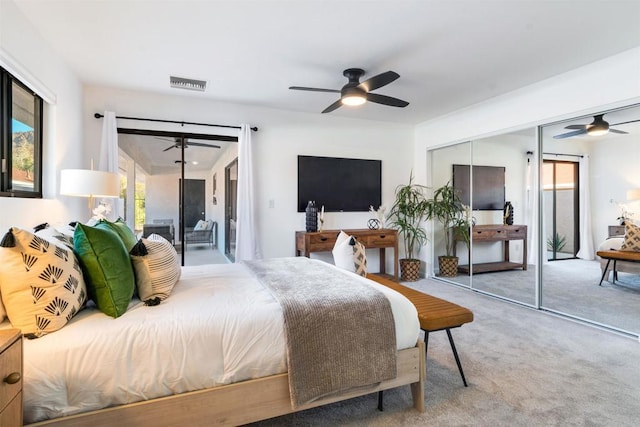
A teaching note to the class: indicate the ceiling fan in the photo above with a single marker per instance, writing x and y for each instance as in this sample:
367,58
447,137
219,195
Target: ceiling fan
188,143
599,126
356,93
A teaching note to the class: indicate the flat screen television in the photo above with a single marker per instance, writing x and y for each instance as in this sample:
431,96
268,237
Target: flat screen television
340,185
488,186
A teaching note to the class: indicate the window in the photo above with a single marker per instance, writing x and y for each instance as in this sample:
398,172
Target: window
20,139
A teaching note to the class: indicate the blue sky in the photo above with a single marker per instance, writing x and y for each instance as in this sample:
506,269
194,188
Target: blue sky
17,126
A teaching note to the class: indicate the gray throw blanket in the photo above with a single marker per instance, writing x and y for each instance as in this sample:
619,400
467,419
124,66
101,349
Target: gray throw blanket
340,333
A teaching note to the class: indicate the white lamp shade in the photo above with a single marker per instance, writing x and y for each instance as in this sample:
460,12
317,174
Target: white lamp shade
633,194
89,183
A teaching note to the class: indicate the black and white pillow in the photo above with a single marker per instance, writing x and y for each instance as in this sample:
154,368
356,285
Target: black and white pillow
349,254
156,267
41,282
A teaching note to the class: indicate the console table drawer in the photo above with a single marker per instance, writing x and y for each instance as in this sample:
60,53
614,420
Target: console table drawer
322,238
488,234
381,240
517,233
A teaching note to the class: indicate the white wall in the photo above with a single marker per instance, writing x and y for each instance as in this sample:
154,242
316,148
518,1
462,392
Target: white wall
617,80
25,53
281,137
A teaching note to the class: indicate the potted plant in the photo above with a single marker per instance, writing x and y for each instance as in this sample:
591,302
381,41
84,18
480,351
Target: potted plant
447,208
406,215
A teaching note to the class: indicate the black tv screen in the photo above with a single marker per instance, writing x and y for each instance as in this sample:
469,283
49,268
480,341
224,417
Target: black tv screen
340,185
488,186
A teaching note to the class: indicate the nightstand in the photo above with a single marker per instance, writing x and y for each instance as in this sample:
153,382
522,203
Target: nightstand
11,373
616,230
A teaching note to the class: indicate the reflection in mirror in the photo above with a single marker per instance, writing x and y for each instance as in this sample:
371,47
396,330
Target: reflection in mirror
590,176
503,254
152,205
442,161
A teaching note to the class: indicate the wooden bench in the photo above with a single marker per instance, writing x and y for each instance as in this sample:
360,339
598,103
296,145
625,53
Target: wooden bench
616,256
434,314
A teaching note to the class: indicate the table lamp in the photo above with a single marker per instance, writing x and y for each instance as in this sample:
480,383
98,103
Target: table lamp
89,183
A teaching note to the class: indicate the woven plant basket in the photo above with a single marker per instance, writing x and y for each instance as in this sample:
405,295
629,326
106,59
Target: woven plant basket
448,266
409,270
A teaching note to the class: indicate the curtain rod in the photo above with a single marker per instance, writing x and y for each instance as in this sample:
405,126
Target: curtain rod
558,154
99,116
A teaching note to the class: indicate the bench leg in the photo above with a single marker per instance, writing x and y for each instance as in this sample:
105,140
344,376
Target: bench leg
455,354
604,273
615,271
380,397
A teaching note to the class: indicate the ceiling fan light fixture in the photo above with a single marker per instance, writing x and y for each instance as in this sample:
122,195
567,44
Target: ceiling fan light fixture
354,100
598,129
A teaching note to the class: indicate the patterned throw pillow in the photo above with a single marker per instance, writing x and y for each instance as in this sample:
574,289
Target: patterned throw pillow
631,238
349,254
158,271
41,283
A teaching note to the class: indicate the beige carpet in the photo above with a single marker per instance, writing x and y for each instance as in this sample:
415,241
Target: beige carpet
524,368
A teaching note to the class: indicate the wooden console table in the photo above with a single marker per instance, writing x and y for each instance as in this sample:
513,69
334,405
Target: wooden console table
323,241
498,233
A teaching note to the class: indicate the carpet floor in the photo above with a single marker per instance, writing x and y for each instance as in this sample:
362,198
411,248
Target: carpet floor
524,368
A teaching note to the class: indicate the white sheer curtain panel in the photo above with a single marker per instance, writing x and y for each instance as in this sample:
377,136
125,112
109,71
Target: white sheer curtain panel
587,250
108,161
247,247
530,210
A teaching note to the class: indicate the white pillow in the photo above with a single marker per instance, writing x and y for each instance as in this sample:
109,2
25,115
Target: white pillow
158,271
42,284
200,225
349,254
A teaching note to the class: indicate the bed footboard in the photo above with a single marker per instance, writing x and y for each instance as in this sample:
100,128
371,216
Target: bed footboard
242,402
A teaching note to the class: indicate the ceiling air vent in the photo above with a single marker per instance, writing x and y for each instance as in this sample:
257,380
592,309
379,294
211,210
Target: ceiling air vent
189,84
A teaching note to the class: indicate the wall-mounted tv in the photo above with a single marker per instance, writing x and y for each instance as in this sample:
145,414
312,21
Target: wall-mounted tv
488,186
340,185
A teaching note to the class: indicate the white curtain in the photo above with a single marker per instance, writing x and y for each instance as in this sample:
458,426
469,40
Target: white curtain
587,250
247,247
530,210
108,161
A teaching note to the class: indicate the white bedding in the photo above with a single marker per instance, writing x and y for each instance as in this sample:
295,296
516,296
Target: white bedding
219,326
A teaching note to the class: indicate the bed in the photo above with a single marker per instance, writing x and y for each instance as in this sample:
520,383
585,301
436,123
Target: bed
154,369
614,243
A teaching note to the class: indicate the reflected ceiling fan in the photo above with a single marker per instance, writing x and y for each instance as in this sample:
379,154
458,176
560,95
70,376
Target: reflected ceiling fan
599,126
356,93
187,144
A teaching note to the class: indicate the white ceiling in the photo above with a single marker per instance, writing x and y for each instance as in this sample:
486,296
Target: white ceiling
449,54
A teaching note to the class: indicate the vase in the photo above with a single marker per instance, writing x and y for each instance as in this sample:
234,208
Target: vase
508,213
409,270
448,266
311,214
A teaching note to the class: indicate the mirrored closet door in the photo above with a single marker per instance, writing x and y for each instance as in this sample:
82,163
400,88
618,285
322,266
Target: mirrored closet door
590,182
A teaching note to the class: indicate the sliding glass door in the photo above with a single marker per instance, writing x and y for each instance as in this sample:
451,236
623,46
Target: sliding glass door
561,208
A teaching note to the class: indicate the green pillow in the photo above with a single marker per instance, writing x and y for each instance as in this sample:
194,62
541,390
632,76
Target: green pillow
122,230
107,268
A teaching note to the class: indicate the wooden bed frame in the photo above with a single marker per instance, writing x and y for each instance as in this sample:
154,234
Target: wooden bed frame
241,403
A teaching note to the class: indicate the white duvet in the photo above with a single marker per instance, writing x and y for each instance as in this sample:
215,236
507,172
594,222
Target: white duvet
219,326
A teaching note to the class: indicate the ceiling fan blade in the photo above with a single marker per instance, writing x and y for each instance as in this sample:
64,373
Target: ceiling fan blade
617,131
570,134
314,89
576,127
169,148
199,144
386,100
378,81
333,106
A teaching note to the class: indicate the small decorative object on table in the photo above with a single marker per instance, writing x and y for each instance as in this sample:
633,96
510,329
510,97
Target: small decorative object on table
379,220
321,220
311,213
508,213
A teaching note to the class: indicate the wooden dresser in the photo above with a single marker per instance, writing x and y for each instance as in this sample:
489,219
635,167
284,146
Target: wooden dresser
11,371
498,233
323,241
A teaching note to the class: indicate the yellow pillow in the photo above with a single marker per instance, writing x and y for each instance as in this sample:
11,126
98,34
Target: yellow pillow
631,238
